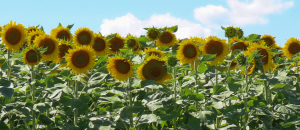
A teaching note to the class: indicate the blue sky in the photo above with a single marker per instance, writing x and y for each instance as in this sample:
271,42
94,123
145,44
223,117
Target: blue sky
279,18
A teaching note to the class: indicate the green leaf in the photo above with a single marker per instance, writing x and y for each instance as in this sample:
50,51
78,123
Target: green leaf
109,37
126,111
202,68
151,127
223,28
207,58
45,120
3,126
169,116
59,25
197,97
6,88
281,86
42,107
70,26
218,89
174,28
251,57
253,37
194,123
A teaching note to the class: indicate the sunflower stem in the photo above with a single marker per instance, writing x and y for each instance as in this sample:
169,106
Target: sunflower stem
11,121
48,115
76,110
245,97
196,82
297,87
130,103
8,64
216,70
32,95
266,86
175,94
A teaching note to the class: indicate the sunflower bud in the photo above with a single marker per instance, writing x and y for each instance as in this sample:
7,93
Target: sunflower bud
172,61
258,63
239,32
230,32
241,59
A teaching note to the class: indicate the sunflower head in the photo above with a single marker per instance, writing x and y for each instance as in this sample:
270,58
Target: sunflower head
251,68
63,49
46,41
33,35
120,68
154,51
81,59
101,45
31,29
188,51
172,61
62,33
153,33
131,41
167,39
239,32
84,36
13,36
269,40
32,55
154,69
215,45
292,47
116,43
230,32
238,44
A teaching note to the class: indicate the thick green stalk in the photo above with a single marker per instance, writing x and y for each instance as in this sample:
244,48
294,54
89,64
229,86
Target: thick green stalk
11,122
245,98
175,94
76,96
266,86
48,115
8,64
33,96
297,87
216,76
130,102
196,82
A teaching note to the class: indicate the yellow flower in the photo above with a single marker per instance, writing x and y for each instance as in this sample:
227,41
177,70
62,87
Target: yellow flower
292,47
239,32
239,45
269,40
101,45
81,59
62,33
116,43
63,49
32,56
119,68
154,51
33,35
251,68
46,41
13,36
153,33
31,29
215,45
84,36
167,39
154,69
187,51
230,31
264,51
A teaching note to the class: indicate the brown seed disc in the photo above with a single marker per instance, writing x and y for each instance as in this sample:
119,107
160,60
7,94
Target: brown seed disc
294,48
99,44
122,66
189,51
153,34
131,43
268,41
154,70
63,49
84,38
47,43
31,56
63,34
80,59
116,44
166,37
264,53
13,36
214,47
239,45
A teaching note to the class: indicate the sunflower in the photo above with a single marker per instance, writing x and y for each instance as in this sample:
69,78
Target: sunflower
46,41
292,47
154,51
154,69
230,31
84,36
153,33
63,49
251,68
239,32
120,68
264,51
269,40
137,48
62,33
187,51
81,59
32,56
241,44
116,43
101,46
13,36
131,41
31,29
167,39
215,45
33,35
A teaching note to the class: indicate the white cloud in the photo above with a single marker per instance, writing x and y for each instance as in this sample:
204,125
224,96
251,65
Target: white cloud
240,13
130,24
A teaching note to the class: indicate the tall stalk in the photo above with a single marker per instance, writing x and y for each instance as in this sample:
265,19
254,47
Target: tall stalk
8,64
245,97
175,94
76,97
196,82
130,102
32,95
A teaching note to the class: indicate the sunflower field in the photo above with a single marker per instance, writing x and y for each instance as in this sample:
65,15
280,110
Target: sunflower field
88,81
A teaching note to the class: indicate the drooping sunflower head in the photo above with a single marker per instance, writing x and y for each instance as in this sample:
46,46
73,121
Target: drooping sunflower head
31,29
269,40
215,45
101,45
167,39
251,68
63,33
230,31
264,52
32,56
81,59
33,35
188,51
291,47
84,36
238,44
13,36
63,49
131,41
116,43
154,51
239,32
46,41
119,68
153,33
154,69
